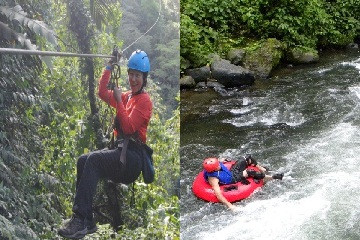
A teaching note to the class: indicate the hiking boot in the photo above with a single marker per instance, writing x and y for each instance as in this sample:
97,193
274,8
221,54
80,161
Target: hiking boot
74,229
91,227
255,174
278,176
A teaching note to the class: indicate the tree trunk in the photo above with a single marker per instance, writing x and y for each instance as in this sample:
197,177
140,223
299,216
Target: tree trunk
80,26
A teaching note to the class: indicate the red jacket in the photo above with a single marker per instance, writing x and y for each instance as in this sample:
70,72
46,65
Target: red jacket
134,113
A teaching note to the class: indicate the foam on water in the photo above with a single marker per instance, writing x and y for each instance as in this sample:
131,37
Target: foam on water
355,90
323,70
240,111
256,115
355,64
276,218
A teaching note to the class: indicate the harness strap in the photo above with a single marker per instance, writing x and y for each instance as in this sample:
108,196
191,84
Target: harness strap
132,200
123,151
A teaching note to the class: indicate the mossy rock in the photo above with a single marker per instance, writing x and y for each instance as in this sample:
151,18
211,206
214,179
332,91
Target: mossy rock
301,55
262,57
187,82
236,56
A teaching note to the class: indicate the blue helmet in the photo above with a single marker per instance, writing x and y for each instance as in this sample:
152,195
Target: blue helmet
139,61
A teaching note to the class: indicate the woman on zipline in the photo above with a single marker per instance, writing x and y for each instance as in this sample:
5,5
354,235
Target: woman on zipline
133,112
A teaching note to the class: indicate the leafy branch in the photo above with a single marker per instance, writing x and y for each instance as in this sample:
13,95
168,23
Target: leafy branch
16,13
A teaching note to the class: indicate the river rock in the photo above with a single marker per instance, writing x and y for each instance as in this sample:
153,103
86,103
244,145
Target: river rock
299,55
264,57
231,75
209,84
352,46
213,84
213,57
199,74
187,82
236,56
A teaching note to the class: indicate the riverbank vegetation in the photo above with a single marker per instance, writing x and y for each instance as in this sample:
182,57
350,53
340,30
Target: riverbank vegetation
50,115
213,26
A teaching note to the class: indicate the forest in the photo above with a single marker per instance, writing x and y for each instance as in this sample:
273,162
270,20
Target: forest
213,26
50,114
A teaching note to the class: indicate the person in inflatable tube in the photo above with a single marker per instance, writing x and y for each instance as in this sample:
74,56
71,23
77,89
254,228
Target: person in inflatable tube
216,173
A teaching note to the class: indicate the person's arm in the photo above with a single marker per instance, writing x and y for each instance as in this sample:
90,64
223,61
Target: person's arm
224,160
105,94
261,168
214,182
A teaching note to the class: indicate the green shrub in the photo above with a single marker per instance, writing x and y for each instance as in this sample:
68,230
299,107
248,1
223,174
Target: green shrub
193,43
206,25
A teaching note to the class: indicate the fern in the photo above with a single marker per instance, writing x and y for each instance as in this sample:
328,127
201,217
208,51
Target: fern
38,27
7,33
99,10
16,13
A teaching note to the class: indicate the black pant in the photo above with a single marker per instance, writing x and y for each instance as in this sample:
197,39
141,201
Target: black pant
237,170
103,164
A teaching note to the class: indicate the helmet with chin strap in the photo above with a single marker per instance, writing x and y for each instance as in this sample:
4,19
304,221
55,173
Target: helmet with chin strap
211,164
139,61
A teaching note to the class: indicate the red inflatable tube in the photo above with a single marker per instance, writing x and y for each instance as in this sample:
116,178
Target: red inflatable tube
232,192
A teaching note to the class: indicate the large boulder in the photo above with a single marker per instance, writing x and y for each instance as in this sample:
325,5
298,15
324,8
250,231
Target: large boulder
262,58
300,55
187,82
231,75
199,74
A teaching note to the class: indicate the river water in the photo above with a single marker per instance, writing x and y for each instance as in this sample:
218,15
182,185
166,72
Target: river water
304,122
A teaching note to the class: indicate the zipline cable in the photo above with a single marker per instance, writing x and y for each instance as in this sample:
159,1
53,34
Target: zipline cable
50,53
147,30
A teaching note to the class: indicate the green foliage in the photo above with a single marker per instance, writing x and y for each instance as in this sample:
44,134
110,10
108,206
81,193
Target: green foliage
18,20
308,23
344,23
100,11
214,14
17,14
161,43
193,48
295,23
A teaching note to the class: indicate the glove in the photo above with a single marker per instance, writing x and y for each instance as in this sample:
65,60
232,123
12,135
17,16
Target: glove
227,160
116,54
116,57
250,160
